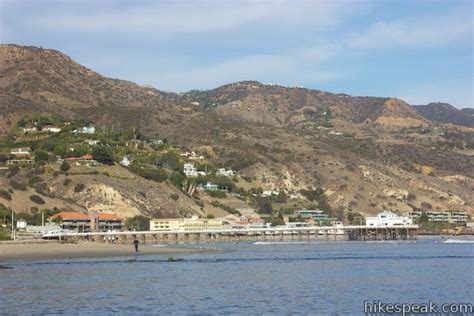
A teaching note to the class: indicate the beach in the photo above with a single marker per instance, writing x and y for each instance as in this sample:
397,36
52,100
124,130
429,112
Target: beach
56,250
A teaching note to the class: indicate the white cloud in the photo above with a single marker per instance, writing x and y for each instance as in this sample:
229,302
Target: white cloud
162,19
427,31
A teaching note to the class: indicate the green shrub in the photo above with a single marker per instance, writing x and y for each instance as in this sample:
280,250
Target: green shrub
34,180
67,181
36,199
65,166
17,185
41,156
79,187
5,195
217,194
103,155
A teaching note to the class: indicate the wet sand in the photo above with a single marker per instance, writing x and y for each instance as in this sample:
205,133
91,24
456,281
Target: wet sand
44,251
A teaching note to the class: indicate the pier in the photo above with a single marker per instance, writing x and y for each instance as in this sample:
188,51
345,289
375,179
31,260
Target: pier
359,233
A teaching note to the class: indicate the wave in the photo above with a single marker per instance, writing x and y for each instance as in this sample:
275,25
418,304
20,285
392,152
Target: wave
458,241
282,243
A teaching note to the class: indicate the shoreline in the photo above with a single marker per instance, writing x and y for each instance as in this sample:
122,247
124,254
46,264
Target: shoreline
43,251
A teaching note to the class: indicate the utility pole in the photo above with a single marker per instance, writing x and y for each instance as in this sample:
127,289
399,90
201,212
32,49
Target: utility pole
42,221
13,229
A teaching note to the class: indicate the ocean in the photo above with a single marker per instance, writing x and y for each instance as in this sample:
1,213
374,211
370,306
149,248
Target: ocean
283,278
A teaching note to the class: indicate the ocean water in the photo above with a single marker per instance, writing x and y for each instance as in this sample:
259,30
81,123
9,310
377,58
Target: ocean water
265,278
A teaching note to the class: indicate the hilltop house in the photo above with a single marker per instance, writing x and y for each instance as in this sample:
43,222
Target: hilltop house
191,171
208,187
84,158
92,142
267,193
85,130
51,129
22,151
125,161
224,172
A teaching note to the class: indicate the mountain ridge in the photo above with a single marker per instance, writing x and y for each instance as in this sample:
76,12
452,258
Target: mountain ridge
365,153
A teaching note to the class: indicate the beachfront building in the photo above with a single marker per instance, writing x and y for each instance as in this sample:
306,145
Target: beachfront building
455,217
105,221
315,215
93,221
72,221
185,224
387,218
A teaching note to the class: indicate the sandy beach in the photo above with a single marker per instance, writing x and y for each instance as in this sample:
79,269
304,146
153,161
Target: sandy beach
55,250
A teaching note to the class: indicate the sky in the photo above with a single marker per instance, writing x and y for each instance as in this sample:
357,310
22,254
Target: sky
420,51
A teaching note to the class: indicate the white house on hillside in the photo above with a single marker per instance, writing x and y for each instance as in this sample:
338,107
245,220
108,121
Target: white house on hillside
85,130
125,161
387,218
22,151
224,172
189,170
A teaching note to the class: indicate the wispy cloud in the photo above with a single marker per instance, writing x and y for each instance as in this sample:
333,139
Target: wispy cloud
181,45
167,18
423,31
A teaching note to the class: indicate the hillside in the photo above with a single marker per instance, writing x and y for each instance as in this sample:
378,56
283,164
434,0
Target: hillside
446,113
364,154
251,101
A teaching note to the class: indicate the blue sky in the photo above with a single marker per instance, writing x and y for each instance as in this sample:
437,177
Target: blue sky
417,50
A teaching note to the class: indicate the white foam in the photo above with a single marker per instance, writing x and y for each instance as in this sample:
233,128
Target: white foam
458,241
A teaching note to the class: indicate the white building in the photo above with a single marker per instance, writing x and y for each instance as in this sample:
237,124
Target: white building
189,170
208,187
125,161
185,224
92,142
267,193
85,130
21,224
22,151
387,218
29,130
50,129
224,172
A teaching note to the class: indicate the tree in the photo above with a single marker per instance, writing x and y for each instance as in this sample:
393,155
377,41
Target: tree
103,155
138,222
264,205
65,166
41,156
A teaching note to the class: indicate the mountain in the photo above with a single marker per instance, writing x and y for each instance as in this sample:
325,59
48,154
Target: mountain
364,153
446,113
251,101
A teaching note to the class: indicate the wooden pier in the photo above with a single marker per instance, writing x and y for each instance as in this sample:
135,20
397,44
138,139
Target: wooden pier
360,233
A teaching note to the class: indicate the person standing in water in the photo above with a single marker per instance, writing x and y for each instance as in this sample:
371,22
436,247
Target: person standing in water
135,243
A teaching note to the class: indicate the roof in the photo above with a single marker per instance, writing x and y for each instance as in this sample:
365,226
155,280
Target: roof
70,216
85,157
